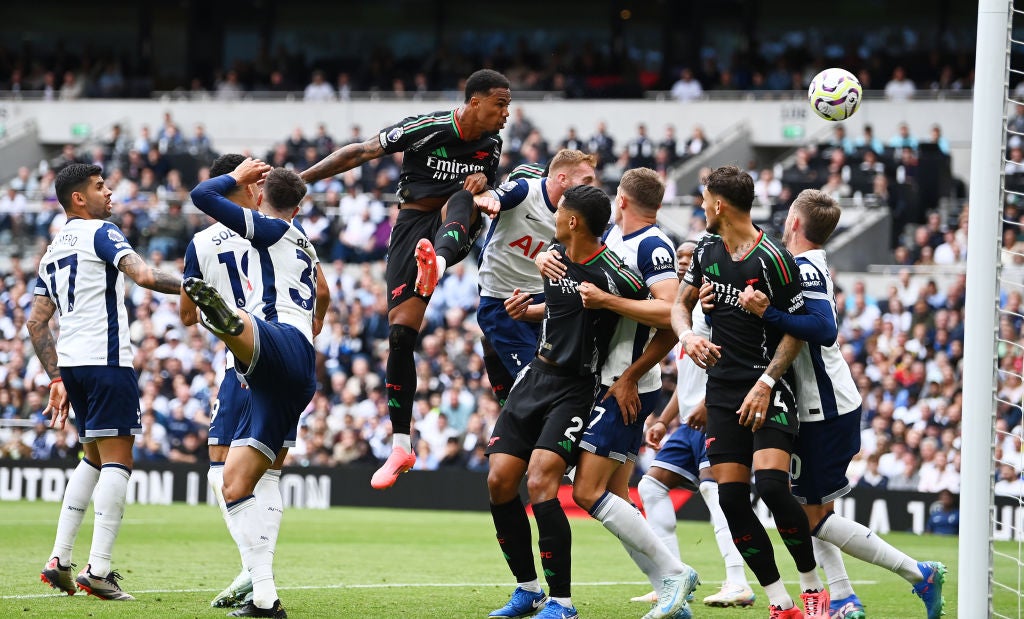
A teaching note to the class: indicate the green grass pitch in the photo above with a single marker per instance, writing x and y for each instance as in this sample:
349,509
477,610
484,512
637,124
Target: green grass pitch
348,562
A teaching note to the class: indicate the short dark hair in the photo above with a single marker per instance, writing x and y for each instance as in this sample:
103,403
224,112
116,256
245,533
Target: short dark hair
283,189
821,214
483,81
71,179
732,184
225,164
592,204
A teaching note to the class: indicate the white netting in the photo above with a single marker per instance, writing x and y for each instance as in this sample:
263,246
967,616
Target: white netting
1008,465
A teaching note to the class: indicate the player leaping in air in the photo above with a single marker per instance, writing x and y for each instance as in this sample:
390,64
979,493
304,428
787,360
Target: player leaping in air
445,152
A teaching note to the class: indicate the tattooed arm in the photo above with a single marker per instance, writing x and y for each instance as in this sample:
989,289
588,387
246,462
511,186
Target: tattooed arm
755,406
38,325
343,159
146,276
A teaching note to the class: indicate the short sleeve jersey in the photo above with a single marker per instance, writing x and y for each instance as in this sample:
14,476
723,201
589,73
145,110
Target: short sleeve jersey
573,336
79,274
748,344
436,157
519,232
287,261
647,251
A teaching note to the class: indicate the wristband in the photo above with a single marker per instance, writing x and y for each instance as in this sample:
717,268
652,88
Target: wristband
768,380
682,336
59,379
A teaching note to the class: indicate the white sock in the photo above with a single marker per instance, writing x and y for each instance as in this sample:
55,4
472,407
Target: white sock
565,602
108,504
646,565
532,586
270,504
215,477
76,500
628,524
249,531
403,441
809,581
778,596
858,541
734,571
661,514
442,264
830,559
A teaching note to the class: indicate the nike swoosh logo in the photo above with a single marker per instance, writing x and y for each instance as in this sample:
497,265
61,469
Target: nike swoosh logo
537,603
668,606
532,218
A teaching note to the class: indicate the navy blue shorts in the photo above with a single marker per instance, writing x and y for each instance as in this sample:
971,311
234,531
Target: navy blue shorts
515,341
105,400
232,397
608,435
684,454
282,380
821,456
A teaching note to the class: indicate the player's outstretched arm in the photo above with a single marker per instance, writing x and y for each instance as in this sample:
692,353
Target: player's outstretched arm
146,276
520,306
38,325
655,312
343,159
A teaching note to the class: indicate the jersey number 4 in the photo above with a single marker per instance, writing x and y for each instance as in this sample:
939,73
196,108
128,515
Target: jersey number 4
69,262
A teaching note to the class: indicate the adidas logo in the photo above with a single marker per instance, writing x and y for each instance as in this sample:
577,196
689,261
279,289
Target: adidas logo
393,403
713,269
566,445
548,573
440,152
452,233
780,419
791,542
749,552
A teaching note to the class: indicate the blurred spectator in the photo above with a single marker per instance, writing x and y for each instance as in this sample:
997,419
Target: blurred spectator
640,149
686,88
318,89
899,88
903,138
944,515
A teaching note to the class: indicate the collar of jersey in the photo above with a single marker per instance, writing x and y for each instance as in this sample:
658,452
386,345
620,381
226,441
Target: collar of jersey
547,200
626,237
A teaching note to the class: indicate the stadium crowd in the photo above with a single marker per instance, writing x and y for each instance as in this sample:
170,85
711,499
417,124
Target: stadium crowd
905,347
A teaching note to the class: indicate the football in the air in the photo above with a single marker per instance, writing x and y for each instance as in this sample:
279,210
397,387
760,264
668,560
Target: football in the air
834,94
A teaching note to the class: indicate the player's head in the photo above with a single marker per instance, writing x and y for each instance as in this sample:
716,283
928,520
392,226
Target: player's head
244,196
815,213
283,191
729,187
583,209
569,168
81,191
684,256
488,95
642,189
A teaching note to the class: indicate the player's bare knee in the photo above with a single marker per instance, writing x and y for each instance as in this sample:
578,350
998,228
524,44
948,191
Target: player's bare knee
501,486
542,486
585,497
815,514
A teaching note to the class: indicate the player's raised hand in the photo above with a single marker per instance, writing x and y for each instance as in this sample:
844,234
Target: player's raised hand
58,405
707,297
250,171
754,301
549,265
593,297
487,205
700,350
475,182
517,304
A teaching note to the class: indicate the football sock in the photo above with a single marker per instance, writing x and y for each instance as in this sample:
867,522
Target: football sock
249,531
661,514
751,539
77,494
778,596
858,541
270,504
512,527
108,503
533,586
555,543
215,477
627,523
831,560
497,374
453,239
564,602
402,440
401,377
734,571
790,520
